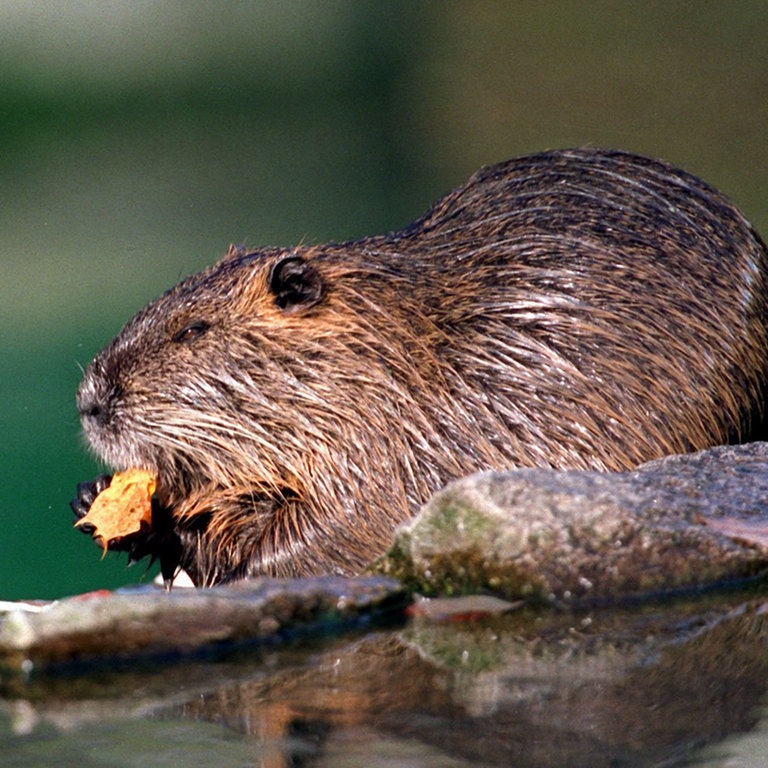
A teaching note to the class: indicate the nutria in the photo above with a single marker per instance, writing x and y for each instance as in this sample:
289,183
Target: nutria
574,309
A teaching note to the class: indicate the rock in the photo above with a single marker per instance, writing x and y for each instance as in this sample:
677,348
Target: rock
181,623
679,522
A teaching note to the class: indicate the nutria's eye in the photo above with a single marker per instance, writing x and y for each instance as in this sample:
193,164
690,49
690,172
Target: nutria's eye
191,332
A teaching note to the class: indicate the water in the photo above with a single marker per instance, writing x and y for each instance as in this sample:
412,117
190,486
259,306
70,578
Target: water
676,684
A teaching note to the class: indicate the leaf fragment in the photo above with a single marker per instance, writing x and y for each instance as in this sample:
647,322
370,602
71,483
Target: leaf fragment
122,508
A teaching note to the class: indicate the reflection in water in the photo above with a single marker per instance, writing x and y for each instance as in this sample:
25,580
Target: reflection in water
643,686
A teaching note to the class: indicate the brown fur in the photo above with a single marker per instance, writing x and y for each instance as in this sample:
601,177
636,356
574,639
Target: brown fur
579,309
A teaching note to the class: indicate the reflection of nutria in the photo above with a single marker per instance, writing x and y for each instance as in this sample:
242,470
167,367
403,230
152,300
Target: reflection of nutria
577,309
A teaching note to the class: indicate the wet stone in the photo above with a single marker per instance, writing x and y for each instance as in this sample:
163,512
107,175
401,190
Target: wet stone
538,536
677,523
151,623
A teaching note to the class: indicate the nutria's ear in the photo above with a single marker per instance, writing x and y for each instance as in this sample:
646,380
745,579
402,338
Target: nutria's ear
296,284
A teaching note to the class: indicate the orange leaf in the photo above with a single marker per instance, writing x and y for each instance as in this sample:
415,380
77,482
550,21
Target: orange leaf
123,507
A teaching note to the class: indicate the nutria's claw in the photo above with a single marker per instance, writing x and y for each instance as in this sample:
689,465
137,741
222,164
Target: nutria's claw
87,492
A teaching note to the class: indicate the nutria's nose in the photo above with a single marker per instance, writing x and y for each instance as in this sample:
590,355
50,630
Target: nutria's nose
93,401
92,411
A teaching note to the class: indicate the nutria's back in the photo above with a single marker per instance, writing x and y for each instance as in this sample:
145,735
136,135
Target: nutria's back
576,309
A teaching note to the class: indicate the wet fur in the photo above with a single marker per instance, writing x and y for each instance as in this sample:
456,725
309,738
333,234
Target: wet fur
578,309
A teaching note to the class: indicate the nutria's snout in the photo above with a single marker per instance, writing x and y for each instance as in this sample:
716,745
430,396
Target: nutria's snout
105,408
577,309
96,396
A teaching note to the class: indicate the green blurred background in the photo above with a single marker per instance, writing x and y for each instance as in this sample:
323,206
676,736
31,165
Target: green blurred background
138,139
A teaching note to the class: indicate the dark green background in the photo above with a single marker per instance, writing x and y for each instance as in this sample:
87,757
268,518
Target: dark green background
137,140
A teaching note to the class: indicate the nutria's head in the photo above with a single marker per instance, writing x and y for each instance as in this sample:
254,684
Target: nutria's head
197,385
271,377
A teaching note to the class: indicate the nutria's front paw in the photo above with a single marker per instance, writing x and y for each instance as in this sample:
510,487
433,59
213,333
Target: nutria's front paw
157,541
86,494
